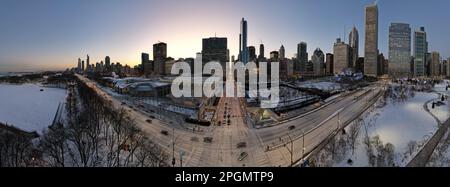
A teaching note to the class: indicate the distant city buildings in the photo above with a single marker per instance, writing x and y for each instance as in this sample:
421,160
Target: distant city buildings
371,42
399,49
420,51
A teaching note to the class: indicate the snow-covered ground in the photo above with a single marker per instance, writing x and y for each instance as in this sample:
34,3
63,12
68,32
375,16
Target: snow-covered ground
398,123
441,155
28,108
323,85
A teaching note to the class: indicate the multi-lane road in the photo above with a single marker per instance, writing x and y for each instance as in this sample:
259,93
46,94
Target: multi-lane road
257,147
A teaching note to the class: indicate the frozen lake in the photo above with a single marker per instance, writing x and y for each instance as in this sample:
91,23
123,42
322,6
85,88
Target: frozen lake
28,108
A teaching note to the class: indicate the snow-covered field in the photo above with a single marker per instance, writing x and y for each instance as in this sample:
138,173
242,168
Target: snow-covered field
28,108
401,123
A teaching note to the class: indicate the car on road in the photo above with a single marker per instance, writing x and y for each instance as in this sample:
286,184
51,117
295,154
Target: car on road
292,127
207,139
241,145
243,156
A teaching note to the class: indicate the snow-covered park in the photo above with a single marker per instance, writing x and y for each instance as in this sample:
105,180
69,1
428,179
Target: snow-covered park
27,107
391,132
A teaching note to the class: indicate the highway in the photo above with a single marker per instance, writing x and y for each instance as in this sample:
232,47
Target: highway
223,151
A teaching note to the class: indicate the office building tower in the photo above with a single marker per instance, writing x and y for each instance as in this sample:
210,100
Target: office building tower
215,49
159,58
399,49
252,53
329,64
243,50
261,52
354,46
302,57
371,41
282,52
435,64
420,51
318,59
342,58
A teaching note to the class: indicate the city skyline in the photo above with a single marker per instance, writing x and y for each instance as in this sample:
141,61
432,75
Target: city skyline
103,28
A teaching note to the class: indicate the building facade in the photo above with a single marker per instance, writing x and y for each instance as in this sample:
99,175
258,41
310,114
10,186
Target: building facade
159,58
243,49
371,41
420,51
399,49
342,58
329,64
354,45
318,60
302,57
435,64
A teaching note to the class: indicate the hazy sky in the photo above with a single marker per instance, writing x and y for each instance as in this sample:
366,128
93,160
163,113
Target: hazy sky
52,34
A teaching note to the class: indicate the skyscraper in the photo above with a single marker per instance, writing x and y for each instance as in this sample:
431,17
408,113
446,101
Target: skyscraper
302,57
87,63
107,61
79,65
354,45
318,62
399,49
252,53
329,64
243,50
448,68
342,58
145,64
282,52
435,64
215,49
420,50
371,41
159,57
261,52
274,56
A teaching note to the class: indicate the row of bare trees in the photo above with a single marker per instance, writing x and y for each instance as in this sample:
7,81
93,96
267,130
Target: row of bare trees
16,148
97,135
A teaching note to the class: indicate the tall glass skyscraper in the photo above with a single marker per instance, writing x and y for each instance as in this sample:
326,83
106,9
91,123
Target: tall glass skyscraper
302,57
371,42
354,45
243,50
399,49
420,50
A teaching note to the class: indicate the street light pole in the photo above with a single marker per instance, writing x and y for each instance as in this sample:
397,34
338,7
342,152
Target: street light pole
173,147
303,147
292,149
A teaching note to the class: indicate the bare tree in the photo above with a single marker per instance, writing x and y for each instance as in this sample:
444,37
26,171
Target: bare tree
54,145
411,146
